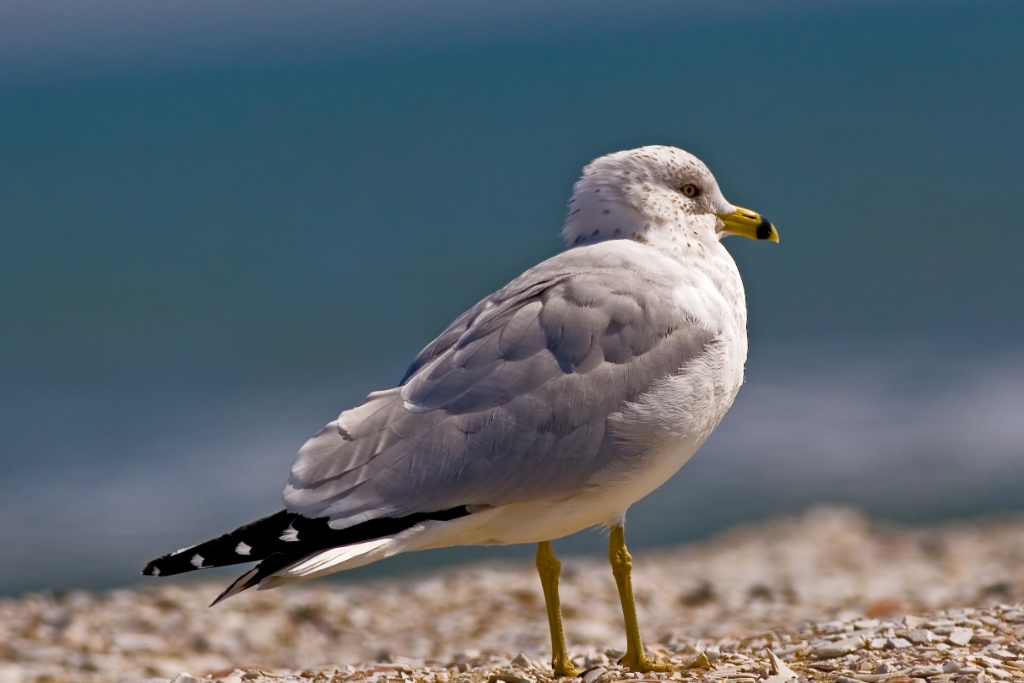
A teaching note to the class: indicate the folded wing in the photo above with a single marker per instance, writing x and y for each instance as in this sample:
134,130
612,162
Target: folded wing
510,403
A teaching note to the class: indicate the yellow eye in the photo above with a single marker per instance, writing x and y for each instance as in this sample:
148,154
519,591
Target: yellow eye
690,190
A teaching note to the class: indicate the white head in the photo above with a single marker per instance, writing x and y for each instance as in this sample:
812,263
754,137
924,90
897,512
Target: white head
626,194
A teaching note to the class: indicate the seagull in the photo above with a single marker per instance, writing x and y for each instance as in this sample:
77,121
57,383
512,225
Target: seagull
549,407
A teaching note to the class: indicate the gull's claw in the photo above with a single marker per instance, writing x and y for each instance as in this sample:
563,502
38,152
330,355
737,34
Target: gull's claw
566,670
644,664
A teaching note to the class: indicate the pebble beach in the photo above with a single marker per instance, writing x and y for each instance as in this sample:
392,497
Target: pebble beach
826,596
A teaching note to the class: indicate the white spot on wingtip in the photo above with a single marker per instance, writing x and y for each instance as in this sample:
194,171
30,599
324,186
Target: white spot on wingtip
290,534
155,572
197,561
243,548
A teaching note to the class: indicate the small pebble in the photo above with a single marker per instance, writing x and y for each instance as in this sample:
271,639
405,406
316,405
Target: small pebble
701,661
960,636
925,672
509,678
521,660
838,648
920,636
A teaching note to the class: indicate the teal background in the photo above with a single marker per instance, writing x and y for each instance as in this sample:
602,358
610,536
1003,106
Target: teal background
222,224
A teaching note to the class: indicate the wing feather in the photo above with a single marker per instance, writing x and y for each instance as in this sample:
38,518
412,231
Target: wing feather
511,402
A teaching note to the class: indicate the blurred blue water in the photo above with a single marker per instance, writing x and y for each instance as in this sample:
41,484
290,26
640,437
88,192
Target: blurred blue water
202,262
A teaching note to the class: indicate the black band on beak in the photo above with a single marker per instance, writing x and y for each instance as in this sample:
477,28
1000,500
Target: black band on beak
764,229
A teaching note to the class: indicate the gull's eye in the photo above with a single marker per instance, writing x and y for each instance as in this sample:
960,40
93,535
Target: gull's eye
690,190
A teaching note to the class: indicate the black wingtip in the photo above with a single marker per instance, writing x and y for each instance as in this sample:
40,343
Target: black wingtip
249,543
282,538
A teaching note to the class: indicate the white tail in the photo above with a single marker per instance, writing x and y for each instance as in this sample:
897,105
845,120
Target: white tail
336,559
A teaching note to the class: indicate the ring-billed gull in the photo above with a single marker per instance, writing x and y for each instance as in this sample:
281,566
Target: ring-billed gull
550,406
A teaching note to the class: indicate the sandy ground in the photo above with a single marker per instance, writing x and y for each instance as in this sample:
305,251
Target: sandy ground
828,592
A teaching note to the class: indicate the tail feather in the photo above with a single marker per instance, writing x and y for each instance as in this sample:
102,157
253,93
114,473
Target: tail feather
281,540
278,570
238,585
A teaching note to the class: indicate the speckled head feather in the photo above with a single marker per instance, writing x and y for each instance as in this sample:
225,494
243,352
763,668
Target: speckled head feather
625,194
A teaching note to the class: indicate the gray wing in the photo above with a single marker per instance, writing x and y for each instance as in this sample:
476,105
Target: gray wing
510,403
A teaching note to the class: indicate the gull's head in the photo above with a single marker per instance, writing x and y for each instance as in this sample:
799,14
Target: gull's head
627,194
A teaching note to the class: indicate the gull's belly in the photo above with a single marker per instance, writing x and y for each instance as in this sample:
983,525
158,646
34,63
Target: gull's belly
545,520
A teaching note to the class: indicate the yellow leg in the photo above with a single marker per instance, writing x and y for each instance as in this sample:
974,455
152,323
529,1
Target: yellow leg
622,565
549,568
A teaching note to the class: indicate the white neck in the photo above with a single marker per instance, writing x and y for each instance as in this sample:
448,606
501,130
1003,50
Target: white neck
598,211
701,250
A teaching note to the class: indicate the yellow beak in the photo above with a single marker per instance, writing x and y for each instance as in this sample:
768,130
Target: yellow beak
749,224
